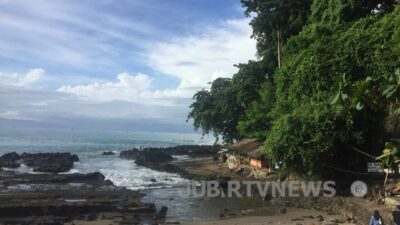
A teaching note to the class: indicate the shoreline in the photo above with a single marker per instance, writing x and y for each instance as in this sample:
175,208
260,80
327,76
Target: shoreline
205,168
129,208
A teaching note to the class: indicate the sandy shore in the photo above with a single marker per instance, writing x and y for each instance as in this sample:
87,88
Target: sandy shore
293,216
260,217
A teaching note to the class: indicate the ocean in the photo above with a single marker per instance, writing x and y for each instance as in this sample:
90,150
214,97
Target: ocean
89,146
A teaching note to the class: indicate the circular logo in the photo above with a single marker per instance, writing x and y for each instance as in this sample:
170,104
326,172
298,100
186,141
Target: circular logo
359,189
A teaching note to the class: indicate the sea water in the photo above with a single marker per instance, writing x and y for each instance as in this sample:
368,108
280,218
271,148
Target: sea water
160,188
89,146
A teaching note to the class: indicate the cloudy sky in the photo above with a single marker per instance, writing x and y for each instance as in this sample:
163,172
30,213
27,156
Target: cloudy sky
128,63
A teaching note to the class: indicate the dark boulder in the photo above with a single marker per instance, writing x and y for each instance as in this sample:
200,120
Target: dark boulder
74,158
96,176
49,162
10,160
40,162
129,154
152,157
144,157
108,153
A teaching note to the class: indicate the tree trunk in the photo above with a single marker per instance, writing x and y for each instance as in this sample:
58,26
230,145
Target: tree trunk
384,183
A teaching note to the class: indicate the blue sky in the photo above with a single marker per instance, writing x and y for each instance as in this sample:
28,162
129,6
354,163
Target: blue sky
119,60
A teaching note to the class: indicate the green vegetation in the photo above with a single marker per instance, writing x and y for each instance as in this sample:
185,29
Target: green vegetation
338,86
389,159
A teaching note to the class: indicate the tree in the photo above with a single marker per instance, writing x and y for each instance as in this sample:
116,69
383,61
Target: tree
220,109
305,128
275,21
257,120
335,89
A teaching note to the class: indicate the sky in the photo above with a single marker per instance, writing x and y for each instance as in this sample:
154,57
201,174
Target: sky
115,64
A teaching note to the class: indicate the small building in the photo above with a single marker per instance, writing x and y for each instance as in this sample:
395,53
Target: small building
247,152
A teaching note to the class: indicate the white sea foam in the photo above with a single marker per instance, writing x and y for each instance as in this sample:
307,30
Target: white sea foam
23,169
127,174
181,157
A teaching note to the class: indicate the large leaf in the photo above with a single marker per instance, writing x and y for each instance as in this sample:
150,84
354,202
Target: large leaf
334,99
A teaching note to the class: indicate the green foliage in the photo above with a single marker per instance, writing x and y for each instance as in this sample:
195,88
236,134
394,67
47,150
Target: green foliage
299,138
257,119
287,16
247,81
219,110
323,57
202,114
336,88
339,11
214,111
380,94
390,157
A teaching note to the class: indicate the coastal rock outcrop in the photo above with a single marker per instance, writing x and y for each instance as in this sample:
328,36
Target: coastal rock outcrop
146,156
152,157
108,153
40,162
161,159
62,198
129,154
10,160
191,150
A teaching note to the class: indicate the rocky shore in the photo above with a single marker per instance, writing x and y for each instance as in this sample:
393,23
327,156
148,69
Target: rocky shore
202,164
52,198
339,210
161,159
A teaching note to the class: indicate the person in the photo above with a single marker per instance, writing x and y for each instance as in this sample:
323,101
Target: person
376,219
396,215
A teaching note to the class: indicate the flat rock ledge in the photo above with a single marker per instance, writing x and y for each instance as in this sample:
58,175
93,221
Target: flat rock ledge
38,199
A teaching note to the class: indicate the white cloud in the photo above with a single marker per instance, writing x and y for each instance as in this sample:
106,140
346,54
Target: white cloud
199,59
126,88
10,115
195,60
33,76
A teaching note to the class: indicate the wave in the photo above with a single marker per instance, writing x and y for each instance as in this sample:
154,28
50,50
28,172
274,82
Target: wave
127,174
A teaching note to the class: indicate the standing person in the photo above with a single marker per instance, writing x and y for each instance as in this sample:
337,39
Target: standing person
376,219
